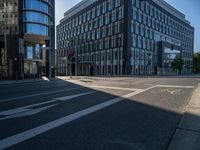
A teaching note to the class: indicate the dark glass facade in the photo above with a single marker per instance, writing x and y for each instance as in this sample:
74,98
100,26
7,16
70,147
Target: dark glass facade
123,37
35,22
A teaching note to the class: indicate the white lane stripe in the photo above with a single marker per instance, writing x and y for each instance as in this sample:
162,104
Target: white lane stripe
116,88
39,94
176,86
65,98
18,138
27,108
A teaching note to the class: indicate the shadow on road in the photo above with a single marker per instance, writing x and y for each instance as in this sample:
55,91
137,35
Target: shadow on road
126,125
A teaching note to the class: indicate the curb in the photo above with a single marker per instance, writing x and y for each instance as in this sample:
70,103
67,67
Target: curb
187,135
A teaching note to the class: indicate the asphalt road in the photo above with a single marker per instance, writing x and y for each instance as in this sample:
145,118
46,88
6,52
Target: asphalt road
93,113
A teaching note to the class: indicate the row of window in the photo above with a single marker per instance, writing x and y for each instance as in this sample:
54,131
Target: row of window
8,7
96,12
36,17
36,29
162,27
141,42
145,8
147,17
107,43
111,55
38,5
116,14
99,33
13,29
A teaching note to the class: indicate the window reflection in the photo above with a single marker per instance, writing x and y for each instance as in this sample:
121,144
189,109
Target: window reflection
36,5
170,55
36,29
36,17
29,52
33,51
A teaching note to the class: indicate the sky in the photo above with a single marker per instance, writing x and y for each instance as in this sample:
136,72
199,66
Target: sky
191,8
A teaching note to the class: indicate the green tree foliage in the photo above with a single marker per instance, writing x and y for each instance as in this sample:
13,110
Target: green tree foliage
177,64
196,63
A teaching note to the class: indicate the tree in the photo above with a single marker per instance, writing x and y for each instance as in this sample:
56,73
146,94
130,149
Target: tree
177,64
196,63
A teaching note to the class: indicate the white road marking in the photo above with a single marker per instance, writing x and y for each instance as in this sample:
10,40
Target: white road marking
22,109
27,113
134,89
173,91
18,138
176,86
116,88
28,110
39,94
149,84
64,98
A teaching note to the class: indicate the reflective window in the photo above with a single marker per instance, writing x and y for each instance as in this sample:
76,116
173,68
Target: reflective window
36,5
36,17
33,51
36,29
29,52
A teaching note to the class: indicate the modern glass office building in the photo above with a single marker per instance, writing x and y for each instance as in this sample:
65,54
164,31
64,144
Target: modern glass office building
28,39
124,37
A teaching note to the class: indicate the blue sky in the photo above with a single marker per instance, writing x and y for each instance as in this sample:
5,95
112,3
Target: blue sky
191,8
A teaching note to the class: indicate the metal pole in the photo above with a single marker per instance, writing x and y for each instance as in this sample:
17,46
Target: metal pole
70,68
49,63
66,66
76,66
5,36
50,40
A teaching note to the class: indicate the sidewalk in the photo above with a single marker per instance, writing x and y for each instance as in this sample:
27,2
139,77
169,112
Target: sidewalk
5,82
187,136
